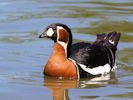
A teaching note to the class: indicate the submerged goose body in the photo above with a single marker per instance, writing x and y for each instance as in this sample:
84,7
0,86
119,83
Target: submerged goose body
80,59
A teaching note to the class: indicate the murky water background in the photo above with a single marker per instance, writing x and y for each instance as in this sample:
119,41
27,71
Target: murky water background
22,54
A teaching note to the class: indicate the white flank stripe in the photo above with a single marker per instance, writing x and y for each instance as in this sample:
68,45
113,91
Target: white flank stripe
97,70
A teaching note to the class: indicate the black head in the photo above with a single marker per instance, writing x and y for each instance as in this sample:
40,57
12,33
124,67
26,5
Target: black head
52,31
58,32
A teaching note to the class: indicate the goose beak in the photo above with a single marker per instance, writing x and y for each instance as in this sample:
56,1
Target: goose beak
43,35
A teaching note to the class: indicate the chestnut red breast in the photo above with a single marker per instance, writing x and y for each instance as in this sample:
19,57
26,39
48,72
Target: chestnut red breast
81,59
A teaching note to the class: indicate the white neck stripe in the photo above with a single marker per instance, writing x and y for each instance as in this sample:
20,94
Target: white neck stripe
64,45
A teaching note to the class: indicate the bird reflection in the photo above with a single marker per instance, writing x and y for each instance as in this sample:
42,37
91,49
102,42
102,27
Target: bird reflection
99,81
59,87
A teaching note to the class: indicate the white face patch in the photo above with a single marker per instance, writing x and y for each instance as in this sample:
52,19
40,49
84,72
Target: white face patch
50,32
111,41
103,70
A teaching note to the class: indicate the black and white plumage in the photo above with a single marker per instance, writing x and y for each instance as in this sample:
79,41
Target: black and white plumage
91,59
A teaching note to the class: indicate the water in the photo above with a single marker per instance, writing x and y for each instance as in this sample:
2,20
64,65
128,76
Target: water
22,54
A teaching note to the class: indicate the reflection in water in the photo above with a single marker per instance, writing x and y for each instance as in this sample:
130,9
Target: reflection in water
21,52
59,87
98,81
